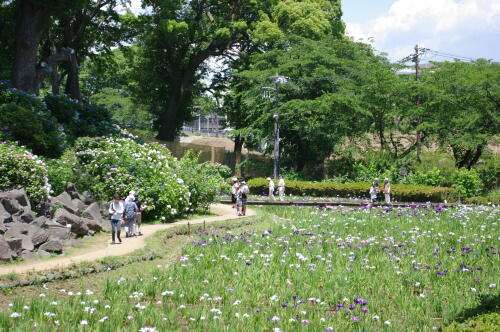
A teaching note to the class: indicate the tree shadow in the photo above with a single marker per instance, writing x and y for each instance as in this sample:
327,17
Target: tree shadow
488,303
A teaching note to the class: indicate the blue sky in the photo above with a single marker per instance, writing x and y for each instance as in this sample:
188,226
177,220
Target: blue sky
468,28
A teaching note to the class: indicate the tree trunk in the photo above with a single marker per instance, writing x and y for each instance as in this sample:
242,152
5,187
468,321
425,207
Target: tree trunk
73,81
238,145
29,18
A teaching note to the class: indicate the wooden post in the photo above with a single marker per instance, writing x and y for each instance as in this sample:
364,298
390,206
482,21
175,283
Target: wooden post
204,225
189,229
212,159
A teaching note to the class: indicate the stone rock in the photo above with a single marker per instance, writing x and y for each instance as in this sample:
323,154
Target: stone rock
79,204
71,190
65,201
35,234
27,255
12,206
3,228
5,216
40,221
43,253
93,212
78,226
5,251
25,217
92,225
17,195
21,231
59,232
15,244
52,246
86,197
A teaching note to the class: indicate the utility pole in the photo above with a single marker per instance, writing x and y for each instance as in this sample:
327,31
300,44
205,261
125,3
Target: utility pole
416,58
276,151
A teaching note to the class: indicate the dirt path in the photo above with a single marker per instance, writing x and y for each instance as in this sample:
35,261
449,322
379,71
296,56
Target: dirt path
100,250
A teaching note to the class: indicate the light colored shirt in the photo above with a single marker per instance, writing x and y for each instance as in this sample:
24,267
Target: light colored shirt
271,185
281,183
116,210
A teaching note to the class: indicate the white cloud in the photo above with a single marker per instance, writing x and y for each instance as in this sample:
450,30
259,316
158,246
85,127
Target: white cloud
445,25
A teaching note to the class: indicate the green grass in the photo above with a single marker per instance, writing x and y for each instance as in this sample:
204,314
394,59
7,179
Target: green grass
293,269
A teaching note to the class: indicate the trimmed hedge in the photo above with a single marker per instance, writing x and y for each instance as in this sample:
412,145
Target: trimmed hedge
480,200
400,192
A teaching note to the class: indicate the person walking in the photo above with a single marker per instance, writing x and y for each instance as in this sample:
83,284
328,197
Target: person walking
129,212
131,196
271,189
138,216
281,187
387,190
374,190
243,193
234,191
116,208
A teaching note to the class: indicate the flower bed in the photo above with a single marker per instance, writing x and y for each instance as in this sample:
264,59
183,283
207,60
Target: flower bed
168,187
20,168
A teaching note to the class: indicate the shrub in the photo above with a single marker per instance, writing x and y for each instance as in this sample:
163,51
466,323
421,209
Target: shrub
432,177
402,193
20,168
80,119
467,182
36,130
203,180
483,200
48,126
118,165
60,172
489,173
485,323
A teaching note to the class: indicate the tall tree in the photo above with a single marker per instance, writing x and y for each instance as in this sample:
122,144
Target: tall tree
462,103
180,36
31,17
313,19
320,104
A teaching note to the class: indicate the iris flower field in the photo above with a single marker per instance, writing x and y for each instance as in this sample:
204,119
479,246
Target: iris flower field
296,269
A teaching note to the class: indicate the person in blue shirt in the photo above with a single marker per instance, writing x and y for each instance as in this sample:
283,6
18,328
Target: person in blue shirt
129,212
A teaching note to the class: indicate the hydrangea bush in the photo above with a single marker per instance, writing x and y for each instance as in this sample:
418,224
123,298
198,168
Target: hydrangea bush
20,168
118,165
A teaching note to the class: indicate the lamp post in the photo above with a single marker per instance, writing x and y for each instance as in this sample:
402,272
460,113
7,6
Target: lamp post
278,79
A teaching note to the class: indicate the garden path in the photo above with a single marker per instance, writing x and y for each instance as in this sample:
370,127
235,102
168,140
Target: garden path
100,250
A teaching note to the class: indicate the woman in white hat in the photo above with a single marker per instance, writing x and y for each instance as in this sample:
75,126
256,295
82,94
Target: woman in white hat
387,190
271,189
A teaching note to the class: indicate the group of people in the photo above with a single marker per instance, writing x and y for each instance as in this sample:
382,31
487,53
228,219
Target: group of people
272,188
239,196
376,192
127,213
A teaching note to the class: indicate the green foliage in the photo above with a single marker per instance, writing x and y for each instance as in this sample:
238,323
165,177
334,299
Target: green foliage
60,172
37,130
20,168
489,172
168,187
460,101
48,126
203,180
489,322
121,165
431,178
442,161
400,193
467,182
483,200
